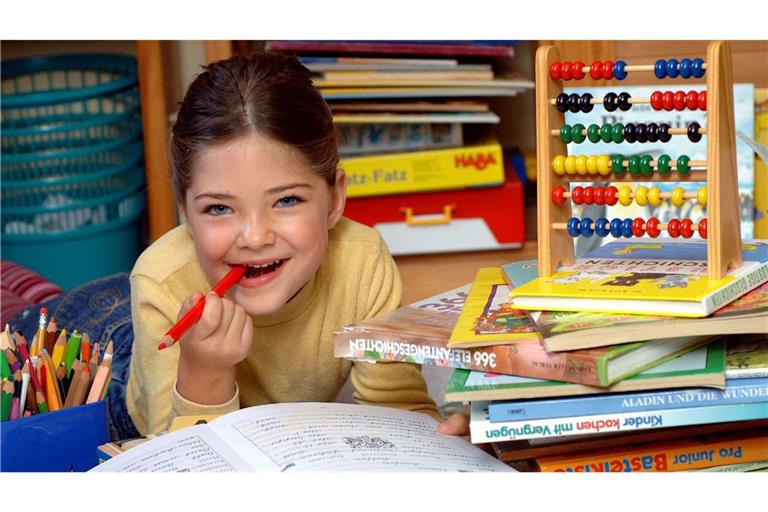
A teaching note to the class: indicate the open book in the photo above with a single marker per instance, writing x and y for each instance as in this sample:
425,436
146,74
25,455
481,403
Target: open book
308,436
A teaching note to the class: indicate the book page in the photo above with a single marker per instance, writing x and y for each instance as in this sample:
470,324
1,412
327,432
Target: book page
192,449
348,437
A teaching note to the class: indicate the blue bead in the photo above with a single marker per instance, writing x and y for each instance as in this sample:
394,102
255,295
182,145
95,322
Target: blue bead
660,69
697,68
626,228
685,68
586,227
618,70
616,228
601,227
574,228
672,70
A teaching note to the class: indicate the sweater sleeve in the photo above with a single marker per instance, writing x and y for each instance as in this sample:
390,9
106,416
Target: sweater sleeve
152,398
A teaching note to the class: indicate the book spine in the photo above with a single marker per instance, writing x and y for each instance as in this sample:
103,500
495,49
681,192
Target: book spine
380,138
746,373
482,430
681,457
741,391
737,287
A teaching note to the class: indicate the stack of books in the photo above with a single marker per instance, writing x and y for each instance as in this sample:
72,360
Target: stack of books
595,391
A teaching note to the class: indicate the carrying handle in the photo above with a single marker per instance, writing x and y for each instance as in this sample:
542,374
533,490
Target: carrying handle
411,219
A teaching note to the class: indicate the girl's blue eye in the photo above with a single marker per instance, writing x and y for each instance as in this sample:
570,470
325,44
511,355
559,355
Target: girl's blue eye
217,209
288,201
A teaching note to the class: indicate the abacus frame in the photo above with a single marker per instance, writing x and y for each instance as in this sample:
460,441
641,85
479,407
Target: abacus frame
555,246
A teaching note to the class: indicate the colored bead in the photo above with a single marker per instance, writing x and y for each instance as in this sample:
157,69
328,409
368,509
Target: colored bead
623,101
692,100
694,134
603,165
625,195
673,228
611,101
573,102
685,68
617,133
592,163
561,102
585,103
586,227
558,165
662,164
642,133
565,133
630,132
577,194
611,195
660,69
602,227
618,70
574,227
577,70
606,133
589,195
634,165
626,228
557,195
593,133
617,164
652,132
596,70
608,69
672,70
703,228
678,196
555,71
615,228
576,133
697,68
656,97
668,100
701,196
599,195
664,135
638,227
581,164
678,100
652,227
686,228
645,165
702,100
654,196
641,195
570,164
683,164
565,71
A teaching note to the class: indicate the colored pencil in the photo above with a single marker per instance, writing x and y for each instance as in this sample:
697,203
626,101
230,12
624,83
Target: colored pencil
6,400
21,345
58,348
39,338
6,340
193,315
101,379
5,368
15,408
13,362
52,390
85,349
94,363
50,335
72,351
24,386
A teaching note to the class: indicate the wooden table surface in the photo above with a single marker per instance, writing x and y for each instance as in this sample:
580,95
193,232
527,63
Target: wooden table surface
426,275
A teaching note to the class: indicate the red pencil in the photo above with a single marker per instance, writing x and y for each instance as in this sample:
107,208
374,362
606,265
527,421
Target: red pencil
193,315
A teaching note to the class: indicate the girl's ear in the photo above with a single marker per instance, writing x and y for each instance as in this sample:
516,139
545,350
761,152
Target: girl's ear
338,198
183,216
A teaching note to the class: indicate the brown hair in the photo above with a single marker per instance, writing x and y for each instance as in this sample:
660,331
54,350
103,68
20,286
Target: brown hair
269,93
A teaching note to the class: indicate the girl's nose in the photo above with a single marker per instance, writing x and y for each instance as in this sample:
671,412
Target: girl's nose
256,232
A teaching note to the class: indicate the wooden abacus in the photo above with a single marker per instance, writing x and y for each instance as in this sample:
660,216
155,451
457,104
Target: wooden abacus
555,170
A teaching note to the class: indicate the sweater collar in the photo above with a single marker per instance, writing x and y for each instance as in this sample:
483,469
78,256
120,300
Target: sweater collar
294,307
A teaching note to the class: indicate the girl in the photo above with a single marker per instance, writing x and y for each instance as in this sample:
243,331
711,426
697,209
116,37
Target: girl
256,177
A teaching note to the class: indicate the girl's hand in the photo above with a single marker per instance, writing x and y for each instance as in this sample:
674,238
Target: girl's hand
457,424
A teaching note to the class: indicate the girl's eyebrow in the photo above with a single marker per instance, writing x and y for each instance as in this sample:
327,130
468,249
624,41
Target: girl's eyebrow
214,195
283,188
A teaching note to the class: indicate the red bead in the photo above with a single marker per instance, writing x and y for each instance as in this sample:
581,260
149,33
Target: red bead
565,71
555,71
703,228
557,196
638,227
686,228
589,196
703,100
611,195
673,228
692,100
596,70
608,69
652,227
577,70
656,100
668,100
679,100
577,195
599,195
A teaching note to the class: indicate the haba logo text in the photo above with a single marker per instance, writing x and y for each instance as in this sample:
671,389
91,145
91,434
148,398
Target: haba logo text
478,161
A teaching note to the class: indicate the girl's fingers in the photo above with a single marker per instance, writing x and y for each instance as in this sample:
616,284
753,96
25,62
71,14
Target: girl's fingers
211,317
235,332
227,313
187,304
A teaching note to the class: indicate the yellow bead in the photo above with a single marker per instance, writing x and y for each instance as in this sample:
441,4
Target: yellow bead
570,164
641,195
654,196
592,164
625,195
558,165
581,164
678,196
701,196
604,165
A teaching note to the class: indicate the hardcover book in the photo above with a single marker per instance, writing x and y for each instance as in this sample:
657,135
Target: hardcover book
746,357
664,278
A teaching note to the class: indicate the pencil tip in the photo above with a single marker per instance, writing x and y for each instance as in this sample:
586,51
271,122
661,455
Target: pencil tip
166,342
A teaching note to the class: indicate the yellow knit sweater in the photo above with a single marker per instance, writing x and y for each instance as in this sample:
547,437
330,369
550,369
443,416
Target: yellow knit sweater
292,355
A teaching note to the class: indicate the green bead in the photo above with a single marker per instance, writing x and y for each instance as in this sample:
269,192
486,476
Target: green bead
617,133
645,165
565,133
683,166
605,133
634,165
593,133
617,164
576,135
662,164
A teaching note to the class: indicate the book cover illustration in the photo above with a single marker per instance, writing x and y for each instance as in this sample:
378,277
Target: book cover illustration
747,357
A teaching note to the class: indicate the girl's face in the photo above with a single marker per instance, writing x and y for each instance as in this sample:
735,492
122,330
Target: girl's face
256,202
